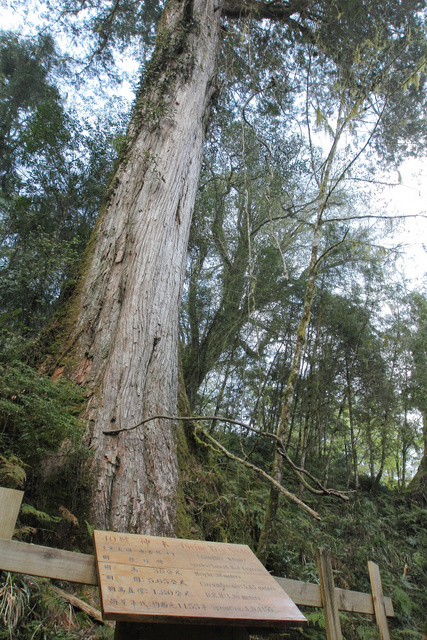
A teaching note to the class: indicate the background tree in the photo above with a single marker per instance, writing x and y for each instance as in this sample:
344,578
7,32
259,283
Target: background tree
53,173
418,346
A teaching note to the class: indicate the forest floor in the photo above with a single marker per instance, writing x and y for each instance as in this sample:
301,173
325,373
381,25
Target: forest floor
388,527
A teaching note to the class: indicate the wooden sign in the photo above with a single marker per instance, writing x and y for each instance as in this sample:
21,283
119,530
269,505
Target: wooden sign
168,580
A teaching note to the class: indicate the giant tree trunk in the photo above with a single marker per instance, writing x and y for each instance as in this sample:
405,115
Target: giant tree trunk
122,322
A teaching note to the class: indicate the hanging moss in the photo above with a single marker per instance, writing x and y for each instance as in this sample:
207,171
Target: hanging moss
173,59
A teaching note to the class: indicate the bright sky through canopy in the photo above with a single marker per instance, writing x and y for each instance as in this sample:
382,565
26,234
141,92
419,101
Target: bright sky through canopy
409,198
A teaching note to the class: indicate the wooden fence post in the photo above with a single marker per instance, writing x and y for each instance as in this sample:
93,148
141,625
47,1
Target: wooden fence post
10,503
329,602
378,597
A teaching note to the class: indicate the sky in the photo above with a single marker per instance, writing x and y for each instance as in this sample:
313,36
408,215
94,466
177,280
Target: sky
409,198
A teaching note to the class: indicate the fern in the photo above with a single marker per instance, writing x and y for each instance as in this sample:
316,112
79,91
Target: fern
316,618
40,516
12,472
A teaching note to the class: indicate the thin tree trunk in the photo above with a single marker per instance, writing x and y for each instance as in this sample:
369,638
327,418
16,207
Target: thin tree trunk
123,320
323,195
310,395
271,511
347,467
305,440
292,423
384,434
331,445
370,446
405,447
418,483
352,433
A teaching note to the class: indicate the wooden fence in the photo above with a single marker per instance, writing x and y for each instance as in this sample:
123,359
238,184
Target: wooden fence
20,557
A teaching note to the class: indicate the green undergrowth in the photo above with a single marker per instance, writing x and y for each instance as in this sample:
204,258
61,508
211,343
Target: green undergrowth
42,453
36,414
30,609
227,503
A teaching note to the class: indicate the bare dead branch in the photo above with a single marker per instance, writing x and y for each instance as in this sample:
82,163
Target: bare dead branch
219,448
299,472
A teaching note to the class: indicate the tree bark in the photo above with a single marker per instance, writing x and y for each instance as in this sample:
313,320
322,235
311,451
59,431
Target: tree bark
418,484
122,323
353,438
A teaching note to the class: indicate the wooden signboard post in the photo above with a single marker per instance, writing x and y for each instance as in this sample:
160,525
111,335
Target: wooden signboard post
10,503
213,575
158,582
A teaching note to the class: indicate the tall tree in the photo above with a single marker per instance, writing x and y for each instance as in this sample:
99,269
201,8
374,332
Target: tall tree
122,327
358,107
119,335
418,346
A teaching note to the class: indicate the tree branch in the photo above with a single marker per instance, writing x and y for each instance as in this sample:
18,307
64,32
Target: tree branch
279,11
218,448
281,449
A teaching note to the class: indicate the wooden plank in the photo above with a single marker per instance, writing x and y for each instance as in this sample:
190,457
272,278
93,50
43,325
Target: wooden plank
378,597
302,593
358,602
35,560
309,595
10,503
329,602
168,580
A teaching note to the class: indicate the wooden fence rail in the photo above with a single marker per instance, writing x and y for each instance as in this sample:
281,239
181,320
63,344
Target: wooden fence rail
20,557
31,559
